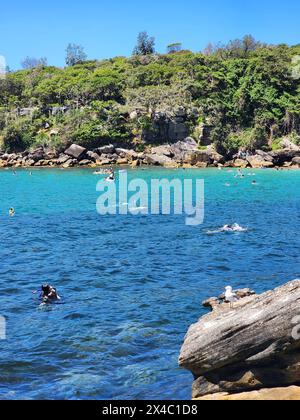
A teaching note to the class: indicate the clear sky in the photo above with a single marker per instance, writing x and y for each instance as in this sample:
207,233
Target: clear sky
109,28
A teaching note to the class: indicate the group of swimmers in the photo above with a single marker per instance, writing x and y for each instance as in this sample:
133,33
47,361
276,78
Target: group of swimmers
111,178
15,173
241,176
110,172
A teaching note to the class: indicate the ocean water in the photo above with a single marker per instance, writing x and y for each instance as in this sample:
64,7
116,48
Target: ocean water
131,285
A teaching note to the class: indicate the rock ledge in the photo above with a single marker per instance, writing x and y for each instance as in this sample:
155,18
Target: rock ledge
291,393
248,347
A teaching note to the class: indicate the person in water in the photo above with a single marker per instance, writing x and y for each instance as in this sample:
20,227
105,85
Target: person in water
228,228
111,176
232,228
49,294
11,212
240,174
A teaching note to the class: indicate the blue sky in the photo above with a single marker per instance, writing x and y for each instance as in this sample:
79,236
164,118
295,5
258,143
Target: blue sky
109,28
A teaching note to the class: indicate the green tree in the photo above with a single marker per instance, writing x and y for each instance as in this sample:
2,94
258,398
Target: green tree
75,54
245,91
145,44
31,62
174,48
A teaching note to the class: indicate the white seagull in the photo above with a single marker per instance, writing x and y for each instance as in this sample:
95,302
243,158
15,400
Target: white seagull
230,296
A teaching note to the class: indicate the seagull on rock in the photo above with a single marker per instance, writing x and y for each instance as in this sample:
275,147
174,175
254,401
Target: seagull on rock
230,296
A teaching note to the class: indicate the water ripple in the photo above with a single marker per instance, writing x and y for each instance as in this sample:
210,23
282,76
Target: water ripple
131,286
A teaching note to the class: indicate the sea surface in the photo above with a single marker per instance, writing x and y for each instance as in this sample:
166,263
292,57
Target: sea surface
131,284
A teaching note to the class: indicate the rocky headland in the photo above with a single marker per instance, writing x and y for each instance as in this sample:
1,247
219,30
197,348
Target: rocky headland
185,153
249,350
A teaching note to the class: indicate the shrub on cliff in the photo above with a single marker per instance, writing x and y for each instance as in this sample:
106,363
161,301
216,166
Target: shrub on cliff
235,141
16,138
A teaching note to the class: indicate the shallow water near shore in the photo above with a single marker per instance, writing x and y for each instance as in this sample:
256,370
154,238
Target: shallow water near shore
131,285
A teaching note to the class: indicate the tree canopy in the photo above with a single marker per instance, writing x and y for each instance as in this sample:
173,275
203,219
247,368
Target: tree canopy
145,44
246,91
75,54
31,62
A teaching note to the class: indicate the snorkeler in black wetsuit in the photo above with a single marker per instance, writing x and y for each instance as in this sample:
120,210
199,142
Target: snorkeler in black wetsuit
49,294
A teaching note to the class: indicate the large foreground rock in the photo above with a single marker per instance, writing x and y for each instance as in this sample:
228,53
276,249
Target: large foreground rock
253,345
291,393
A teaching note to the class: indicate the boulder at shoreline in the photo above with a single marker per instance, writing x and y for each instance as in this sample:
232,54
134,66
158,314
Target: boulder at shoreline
75,151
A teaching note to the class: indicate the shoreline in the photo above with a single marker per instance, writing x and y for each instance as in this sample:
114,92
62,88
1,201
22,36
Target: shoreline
144,167
184,154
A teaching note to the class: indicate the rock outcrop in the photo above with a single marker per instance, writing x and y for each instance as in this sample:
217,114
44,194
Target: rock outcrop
159,160
296,161
75,151
291,393
205,134
183,148
165,150
286,143
281,157
169,126
252,345
106,150
240,163
184,153
260,161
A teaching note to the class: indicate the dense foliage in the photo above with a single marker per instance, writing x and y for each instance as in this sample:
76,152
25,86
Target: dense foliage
248,93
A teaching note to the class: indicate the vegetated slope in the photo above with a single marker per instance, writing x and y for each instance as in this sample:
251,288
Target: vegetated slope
246,98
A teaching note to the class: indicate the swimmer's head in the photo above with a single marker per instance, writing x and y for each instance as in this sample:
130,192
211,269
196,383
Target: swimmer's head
46,288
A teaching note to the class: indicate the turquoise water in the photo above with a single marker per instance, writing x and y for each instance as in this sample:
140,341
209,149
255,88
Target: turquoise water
131,285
